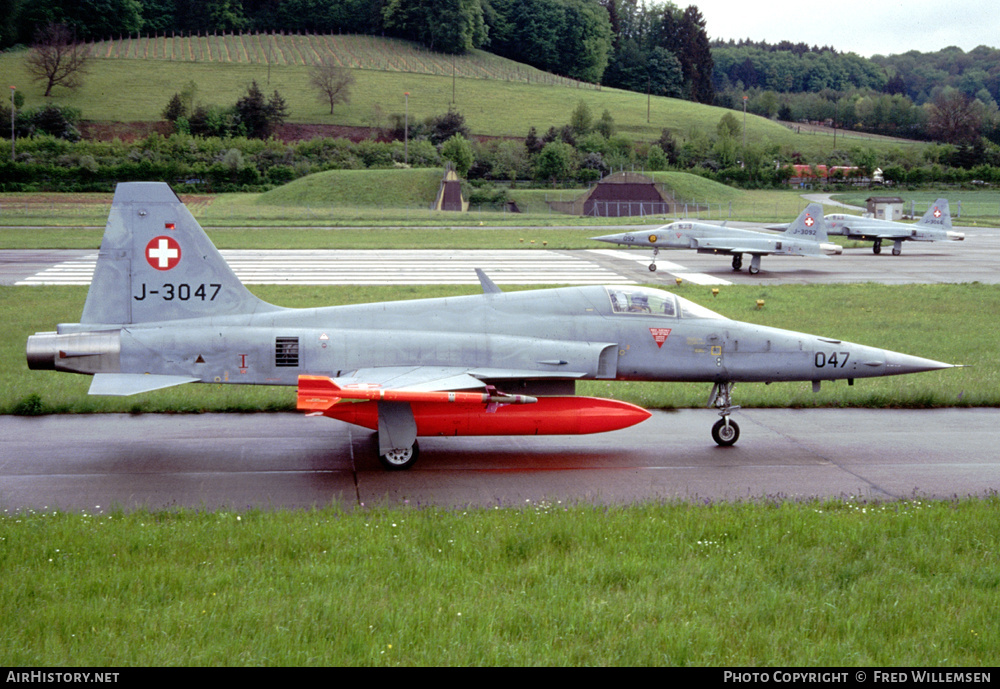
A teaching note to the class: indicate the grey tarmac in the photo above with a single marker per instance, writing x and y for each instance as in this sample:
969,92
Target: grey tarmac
977,259
276,461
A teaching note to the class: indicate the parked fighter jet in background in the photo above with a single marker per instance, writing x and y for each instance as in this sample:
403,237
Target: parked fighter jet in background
806,236
935,226
165,309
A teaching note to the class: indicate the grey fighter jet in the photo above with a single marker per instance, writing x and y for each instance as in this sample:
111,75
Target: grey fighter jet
806,236
165,309
935,226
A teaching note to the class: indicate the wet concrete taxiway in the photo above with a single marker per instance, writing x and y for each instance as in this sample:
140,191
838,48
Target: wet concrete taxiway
97,463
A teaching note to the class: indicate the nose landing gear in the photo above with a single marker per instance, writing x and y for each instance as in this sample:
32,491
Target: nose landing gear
725,432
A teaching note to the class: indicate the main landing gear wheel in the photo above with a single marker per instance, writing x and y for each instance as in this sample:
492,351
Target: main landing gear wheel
896,252
725,432
652,266
877,247
400,458
737,262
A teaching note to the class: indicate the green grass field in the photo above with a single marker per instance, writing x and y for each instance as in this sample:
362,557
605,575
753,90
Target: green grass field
766,584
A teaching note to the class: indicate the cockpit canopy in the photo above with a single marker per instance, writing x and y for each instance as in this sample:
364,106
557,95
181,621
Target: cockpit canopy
646,301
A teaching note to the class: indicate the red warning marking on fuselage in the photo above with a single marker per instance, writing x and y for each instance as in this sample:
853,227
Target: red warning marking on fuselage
660,335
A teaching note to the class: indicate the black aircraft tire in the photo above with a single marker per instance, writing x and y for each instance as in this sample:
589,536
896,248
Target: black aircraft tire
401,459
725,435
652,267
877,247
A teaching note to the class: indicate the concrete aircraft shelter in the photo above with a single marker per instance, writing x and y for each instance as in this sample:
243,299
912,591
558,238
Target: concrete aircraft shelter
618,195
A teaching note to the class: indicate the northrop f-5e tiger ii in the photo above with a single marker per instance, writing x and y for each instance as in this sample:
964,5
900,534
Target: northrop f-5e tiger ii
165,309
805,236
934,226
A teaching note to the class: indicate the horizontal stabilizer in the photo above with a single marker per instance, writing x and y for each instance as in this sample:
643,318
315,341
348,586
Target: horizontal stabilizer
124,384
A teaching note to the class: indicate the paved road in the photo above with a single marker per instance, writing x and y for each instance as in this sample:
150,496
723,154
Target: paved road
288,460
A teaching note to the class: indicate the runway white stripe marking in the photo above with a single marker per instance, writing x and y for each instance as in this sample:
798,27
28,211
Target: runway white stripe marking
378,267
675,269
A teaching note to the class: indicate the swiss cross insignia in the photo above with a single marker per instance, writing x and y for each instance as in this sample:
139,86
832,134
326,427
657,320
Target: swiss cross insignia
163,253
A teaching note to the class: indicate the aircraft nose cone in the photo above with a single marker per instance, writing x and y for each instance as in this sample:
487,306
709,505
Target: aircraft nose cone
896,363
614,238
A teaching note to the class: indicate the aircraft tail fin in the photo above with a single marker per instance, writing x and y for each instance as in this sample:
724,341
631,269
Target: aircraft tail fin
938,215
809,225
156,264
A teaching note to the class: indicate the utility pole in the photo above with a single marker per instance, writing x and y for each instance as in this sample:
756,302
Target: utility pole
13,151
649,89
744,124
406,130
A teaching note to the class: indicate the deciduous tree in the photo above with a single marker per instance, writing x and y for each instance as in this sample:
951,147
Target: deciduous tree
332,81
56,59
953,117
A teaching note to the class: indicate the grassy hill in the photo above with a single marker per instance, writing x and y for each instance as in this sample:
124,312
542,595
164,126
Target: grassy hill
132,80
359,188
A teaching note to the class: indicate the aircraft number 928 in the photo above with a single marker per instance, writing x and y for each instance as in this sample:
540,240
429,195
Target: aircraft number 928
182,292
834,359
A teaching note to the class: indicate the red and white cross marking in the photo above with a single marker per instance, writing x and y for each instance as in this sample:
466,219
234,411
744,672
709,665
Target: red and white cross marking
809,221
937,212
163,253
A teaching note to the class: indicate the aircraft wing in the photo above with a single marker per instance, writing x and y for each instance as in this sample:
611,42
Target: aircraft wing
874,231
416,378
434,378
729,247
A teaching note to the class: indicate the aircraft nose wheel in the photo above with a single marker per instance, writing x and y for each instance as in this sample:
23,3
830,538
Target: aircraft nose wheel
725,432
398,459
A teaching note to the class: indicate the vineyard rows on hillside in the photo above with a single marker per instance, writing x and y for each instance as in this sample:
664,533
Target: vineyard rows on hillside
352,51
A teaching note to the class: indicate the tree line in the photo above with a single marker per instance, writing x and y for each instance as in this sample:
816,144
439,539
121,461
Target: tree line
948,96
582,151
